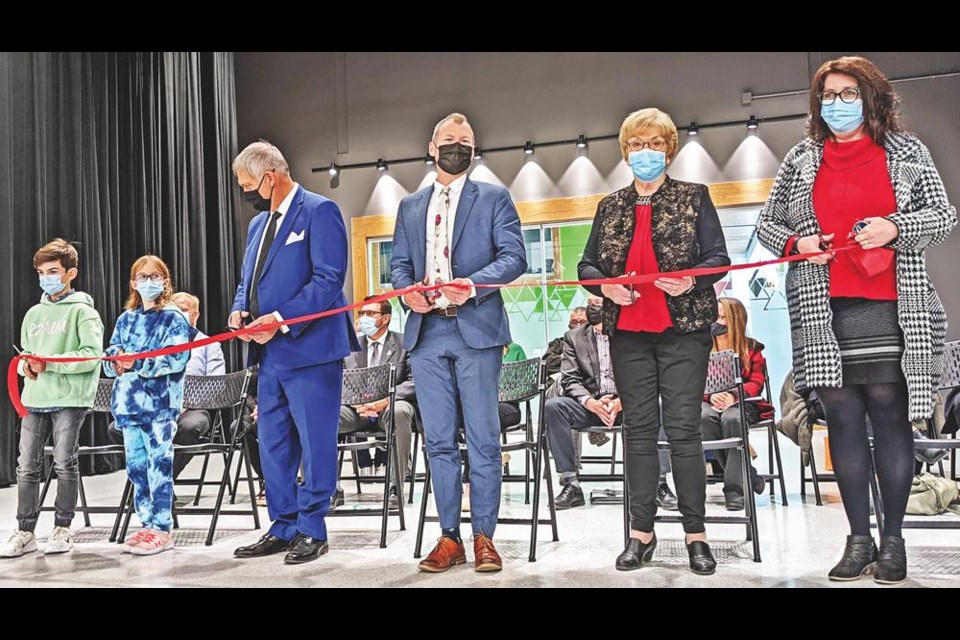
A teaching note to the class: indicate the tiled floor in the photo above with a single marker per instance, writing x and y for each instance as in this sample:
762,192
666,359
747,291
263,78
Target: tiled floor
799,544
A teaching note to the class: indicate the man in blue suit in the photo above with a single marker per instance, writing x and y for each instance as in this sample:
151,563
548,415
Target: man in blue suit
294,265
458,233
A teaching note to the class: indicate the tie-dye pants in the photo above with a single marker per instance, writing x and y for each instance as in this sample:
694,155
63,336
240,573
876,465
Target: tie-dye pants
149,450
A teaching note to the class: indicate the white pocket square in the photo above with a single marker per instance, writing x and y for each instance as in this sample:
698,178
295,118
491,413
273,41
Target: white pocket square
294,237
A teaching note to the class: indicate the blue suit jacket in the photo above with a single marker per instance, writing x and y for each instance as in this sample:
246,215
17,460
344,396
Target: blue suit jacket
303,274
487,247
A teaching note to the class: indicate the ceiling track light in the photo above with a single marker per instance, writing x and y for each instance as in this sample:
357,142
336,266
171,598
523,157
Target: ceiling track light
528,148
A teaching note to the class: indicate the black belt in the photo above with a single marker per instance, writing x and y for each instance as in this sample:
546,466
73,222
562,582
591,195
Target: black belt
450,311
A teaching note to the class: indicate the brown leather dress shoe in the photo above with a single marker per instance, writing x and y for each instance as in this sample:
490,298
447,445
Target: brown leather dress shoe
486,558
448,553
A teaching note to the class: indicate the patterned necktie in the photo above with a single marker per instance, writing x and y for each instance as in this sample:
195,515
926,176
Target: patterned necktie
441,244
374,354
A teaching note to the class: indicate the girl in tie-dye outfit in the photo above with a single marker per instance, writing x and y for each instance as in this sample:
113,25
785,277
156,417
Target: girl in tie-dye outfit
147,398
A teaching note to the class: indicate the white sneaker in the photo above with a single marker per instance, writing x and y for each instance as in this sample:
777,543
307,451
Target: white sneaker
60,541
379,470
20,542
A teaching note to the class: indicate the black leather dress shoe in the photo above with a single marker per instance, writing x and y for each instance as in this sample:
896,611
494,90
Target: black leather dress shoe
702,562
635,554
267,545
336,500
305,549
734,501
393,502
571,496
666,499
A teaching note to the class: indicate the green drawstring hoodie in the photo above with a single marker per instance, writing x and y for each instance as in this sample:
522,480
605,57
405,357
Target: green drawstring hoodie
68,328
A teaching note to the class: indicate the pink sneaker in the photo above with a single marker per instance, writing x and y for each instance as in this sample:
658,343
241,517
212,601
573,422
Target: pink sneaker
153,542
134,540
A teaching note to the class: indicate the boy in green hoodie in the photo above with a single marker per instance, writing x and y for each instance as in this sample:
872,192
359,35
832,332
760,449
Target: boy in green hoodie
58,396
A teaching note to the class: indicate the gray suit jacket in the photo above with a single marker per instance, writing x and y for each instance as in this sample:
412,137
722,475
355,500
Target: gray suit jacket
580,367
394,353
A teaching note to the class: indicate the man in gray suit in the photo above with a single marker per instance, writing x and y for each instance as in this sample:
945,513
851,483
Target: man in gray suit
589,398
379,345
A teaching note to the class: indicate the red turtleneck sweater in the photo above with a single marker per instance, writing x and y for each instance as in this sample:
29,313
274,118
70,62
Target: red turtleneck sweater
853,183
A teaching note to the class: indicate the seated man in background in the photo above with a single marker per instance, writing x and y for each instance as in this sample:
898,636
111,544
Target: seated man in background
379,346
554,353
589,399
193,424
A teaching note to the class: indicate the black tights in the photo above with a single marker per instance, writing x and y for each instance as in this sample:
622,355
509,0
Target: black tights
846,409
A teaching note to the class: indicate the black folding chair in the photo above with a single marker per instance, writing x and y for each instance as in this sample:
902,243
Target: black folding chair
950,379
519,382
774,462
361,386
215,394
723,374
101,404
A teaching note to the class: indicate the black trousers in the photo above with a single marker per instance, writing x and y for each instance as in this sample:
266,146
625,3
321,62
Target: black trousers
667,370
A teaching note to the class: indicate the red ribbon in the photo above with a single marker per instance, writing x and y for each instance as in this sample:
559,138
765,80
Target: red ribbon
13,388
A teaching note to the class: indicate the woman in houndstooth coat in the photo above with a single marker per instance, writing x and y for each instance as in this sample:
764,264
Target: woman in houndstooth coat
867,325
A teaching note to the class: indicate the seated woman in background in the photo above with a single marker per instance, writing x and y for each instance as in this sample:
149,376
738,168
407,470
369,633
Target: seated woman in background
720,413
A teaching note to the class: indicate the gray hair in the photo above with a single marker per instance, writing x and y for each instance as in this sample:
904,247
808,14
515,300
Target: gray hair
458,118
259,157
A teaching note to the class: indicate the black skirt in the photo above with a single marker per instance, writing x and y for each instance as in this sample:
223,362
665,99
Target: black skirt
870,338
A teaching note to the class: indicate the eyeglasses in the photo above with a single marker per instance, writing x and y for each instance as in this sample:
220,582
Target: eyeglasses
370,314
658,144
848,95
153,277
576,323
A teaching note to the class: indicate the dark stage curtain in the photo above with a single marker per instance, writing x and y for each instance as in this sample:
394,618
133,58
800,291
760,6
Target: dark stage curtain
126,153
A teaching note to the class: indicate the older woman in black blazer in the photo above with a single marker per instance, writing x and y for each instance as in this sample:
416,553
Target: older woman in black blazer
659,333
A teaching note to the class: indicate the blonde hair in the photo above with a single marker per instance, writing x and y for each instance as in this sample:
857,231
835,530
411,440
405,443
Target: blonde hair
458,118
736,316
259,157
164,298
192,300
650,119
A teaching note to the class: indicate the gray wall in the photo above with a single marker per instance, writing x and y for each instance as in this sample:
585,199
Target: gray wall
393,100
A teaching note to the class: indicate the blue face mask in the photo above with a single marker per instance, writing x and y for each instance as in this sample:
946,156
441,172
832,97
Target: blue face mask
368,326
149,290
51,285
842,117
647,164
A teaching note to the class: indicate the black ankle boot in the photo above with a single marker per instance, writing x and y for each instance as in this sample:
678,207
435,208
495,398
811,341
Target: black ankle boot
892,561
859,558
635,554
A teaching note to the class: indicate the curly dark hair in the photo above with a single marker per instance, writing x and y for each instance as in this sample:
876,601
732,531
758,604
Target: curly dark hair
881,105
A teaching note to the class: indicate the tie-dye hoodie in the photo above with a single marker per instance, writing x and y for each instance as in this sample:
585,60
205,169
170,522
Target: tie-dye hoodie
153,390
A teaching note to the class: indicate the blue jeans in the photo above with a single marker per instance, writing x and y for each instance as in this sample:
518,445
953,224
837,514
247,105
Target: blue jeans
35,430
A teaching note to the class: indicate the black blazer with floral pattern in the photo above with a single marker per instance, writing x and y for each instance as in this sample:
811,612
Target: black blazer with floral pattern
686,235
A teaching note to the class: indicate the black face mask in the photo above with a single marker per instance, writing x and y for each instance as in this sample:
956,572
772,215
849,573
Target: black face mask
717,329
455,158
257,201
594,315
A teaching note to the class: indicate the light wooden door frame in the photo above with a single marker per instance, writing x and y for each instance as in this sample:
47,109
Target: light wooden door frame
577,208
